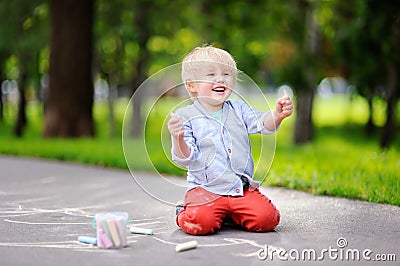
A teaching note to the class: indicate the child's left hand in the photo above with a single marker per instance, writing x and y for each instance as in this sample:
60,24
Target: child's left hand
284,106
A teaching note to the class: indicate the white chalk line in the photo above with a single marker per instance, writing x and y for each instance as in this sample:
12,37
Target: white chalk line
66,210
69,223
63,244
138,222
72,211
230,242
165,241
30,200
44,223
69,244
256,254
34,211
148,223
150,219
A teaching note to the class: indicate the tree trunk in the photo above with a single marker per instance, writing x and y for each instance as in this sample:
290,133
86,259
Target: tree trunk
3,58
389,127
137,121
392,84
142,23
70,96
1,100
1,105
112,95
369,127
21,116
304,131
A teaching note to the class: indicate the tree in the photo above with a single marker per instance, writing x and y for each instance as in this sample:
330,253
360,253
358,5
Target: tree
109,47
148,22
2,79
296,21
142,23
369,47
390,50
68,107
242,29
309,60
22,35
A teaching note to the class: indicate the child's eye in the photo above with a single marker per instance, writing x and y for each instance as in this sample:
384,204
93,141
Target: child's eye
227,74
210,75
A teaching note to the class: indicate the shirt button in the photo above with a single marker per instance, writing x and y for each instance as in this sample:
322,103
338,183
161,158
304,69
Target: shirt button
237,190
229,150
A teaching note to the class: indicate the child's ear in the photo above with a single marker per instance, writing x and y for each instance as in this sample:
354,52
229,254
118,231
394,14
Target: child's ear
190,86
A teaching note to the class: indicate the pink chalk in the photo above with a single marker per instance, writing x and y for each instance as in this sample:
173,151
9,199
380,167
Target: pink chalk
103,237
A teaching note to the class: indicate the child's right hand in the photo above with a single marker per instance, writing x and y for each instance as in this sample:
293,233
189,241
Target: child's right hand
175,126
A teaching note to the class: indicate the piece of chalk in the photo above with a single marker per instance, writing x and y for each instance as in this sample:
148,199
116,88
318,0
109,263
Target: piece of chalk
87,240
114,233
173,115
186,246
139,230
104,239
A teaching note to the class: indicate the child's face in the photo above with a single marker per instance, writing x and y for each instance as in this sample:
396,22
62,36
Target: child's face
212,86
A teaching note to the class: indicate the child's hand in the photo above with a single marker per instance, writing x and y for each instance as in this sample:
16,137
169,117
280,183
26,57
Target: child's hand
175,126
179,146
284,106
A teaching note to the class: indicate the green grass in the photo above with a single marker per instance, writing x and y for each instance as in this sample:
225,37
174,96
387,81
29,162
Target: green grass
104,150
338,165
342,161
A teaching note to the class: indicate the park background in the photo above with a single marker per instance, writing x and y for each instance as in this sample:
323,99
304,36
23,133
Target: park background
68,69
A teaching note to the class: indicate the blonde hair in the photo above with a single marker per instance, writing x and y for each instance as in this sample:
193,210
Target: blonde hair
203,56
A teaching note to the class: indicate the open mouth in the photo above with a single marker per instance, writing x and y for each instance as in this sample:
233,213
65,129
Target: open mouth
219,89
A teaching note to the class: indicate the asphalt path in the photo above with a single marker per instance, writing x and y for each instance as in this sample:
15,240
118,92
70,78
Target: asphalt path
46,205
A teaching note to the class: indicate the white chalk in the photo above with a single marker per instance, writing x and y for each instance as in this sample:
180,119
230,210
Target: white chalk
186,246
139,230
173,115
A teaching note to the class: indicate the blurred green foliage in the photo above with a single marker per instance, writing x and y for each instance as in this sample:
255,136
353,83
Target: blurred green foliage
268,38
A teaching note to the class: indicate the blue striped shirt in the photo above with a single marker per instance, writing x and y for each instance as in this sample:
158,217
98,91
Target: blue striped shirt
220,152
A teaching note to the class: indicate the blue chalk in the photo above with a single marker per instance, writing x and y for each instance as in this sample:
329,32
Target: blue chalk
88,240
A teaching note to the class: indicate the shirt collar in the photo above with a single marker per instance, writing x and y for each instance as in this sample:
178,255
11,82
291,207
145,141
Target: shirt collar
200,107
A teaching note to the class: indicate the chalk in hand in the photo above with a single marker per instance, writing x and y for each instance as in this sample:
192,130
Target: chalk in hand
186,246
173,115
285,92
87,240
139,230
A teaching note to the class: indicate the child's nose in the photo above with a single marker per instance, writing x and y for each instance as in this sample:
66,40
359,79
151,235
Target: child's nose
220,78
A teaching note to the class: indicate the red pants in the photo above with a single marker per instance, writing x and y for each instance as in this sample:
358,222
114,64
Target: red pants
204,212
